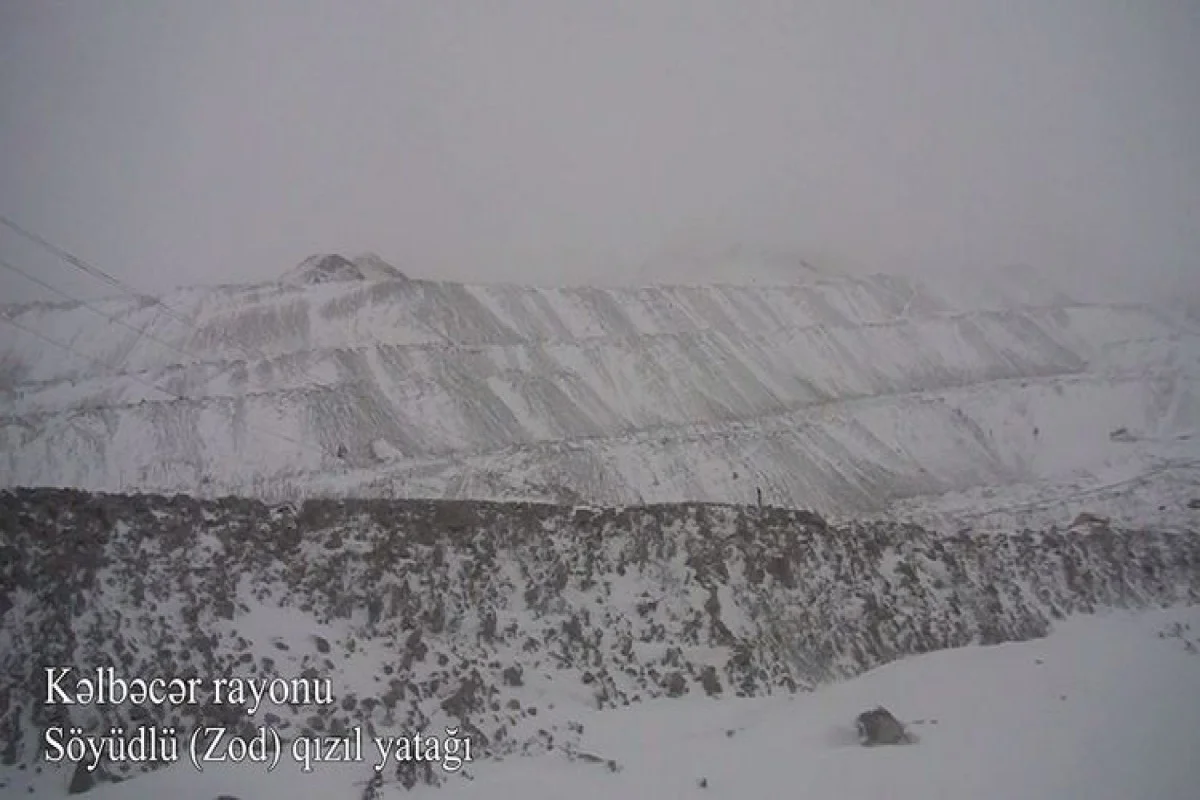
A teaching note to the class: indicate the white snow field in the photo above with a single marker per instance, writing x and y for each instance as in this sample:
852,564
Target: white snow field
1105,708
955,406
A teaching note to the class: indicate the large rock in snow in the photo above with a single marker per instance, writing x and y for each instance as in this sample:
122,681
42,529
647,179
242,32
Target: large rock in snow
878,726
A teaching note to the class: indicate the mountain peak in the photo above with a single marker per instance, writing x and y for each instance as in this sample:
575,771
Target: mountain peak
333,267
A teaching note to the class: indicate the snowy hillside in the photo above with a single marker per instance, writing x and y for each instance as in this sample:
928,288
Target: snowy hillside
514,624
950,404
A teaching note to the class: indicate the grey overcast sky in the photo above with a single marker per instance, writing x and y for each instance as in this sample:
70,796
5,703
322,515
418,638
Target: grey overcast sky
177,141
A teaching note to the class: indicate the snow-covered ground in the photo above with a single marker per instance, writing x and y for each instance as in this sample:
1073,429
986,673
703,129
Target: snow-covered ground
1100,709
1106,707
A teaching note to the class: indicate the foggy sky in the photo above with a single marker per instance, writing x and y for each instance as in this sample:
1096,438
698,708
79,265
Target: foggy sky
562,141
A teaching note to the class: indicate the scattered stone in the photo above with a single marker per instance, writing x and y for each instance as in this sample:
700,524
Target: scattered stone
1087,518
1121,435
675,684
878,726
512,675
81,779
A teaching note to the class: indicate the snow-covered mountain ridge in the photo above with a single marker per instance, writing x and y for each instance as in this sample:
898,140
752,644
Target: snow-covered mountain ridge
484,616
852,395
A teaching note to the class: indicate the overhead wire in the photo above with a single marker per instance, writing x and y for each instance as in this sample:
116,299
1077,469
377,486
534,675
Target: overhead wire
71,259
94,271
138,379
100,274
142,332
69,348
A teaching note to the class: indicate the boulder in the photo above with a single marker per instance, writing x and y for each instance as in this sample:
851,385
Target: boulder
878,726
1086,519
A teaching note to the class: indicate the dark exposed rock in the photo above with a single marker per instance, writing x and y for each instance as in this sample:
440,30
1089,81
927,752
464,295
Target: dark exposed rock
466,699
512,675
1088,518
84,780
710,681
81,779
878,726
675,684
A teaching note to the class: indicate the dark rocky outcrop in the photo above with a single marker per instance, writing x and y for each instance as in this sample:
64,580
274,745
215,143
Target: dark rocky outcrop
878,726
463,608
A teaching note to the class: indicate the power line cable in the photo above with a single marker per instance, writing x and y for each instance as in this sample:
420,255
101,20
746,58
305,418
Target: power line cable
69,348
140,331
90,269
74,261
144,382
96,272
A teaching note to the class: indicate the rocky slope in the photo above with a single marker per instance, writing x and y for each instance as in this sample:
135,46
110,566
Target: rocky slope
428,614
850,395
